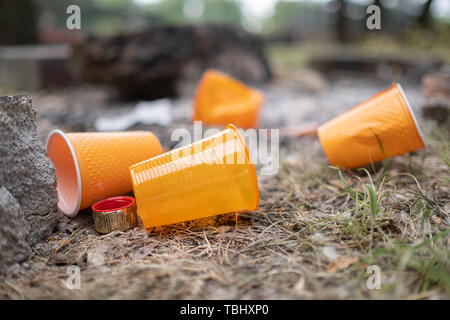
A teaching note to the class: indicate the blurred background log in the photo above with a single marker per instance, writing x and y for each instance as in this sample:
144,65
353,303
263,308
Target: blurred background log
436,89
151,63
392,67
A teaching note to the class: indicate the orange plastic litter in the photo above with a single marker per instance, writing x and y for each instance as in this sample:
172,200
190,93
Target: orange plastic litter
93,166
212,176
381,127
221,99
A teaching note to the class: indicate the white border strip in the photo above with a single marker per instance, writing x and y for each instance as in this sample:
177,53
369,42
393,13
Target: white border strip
411,112
77,168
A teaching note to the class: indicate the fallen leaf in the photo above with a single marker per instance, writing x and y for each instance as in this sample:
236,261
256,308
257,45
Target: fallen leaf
341,263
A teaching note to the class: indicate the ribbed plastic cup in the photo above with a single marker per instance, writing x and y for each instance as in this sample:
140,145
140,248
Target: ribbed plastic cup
212,176
384,126
92,166
221,99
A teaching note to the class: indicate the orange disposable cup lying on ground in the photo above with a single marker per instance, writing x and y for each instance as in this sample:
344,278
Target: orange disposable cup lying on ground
381,127
212,176
221,99
93,166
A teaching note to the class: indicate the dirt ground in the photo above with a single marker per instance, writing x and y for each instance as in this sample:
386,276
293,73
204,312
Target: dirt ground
316,232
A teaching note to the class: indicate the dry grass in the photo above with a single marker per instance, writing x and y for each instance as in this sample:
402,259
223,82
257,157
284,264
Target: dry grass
314,235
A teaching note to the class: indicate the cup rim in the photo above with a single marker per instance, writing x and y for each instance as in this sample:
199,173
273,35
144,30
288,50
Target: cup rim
77,170
411,112
249,162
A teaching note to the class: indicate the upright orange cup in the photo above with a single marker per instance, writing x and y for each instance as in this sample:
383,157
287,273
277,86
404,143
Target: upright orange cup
221,99
381,127
93,166
209,177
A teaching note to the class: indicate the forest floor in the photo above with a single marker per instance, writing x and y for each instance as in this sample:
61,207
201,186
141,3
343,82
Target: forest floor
319,233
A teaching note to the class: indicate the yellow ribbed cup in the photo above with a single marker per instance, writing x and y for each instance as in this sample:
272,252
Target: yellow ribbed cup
213,176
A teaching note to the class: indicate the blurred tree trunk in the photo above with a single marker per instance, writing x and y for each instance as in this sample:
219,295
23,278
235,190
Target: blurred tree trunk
17,22
341,32
424,18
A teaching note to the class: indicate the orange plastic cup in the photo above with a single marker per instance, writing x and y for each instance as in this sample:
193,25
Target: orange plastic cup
381,127
221,99
93,166
209,177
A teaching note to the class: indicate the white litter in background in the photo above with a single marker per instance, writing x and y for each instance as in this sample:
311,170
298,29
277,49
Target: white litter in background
145,112
330,252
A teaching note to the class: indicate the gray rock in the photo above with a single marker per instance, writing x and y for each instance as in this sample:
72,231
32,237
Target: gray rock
14,230
25,170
